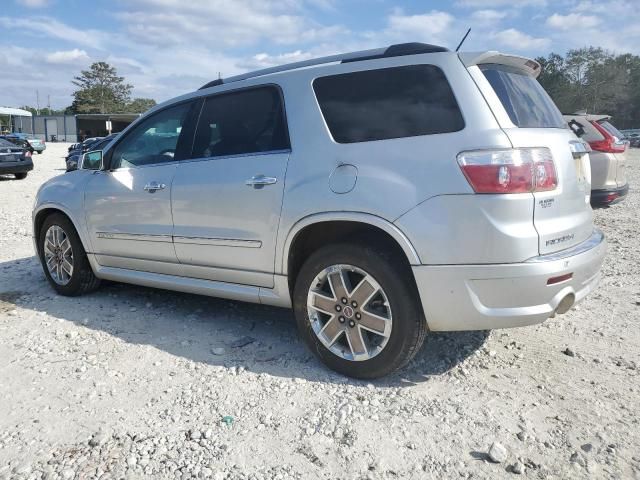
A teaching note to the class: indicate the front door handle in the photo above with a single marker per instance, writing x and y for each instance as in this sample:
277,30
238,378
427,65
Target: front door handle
153,187
259,181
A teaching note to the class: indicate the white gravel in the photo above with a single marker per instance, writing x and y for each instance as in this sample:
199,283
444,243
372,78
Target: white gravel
131,382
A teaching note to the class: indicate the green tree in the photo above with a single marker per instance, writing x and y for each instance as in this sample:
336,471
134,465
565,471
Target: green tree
100,90
140,105
596,81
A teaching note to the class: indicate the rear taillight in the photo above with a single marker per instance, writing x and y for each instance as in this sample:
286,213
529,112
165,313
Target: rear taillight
27,153
610,144
517,170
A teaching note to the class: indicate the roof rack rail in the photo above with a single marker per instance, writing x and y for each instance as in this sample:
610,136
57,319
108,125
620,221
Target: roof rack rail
397,50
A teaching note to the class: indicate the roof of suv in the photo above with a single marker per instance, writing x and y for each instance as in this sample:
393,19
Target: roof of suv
398,50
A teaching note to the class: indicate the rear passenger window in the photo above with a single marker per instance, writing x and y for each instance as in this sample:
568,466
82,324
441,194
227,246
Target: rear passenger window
244,122
388,103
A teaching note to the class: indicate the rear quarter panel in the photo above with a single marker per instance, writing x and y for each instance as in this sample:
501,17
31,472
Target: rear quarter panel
393,176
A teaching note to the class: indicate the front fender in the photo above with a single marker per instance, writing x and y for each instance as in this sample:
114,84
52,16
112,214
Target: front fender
64,193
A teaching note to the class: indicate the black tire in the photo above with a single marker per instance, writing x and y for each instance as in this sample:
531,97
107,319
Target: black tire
409,326
39,152
83,279
20,176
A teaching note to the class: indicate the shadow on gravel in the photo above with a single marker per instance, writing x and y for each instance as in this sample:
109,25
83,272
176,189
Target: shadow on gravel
210,330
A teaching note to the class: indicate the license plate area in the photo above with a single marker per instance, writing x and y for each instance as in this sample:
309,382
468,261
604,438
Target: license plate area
8,158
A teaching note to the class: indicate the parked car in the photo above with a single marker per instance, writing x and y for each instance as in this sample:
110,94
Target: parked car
382,194
634,140
14,159
79,149
85,143
74,158
20,142
608,178
31,143
37,144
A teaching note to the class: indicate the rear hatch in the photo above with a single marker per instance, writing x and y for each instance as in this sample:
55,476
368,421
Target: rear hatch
562,216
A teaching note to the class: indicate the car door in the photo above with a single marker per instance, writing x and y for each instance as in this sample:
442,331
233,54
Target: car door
227,198
128,207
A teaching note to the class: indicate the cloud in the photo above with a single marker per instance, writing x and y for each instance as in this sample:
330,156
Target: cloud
488,16
52,28
68,56
33,3
422,26
518,40
572,21
501,3
222,23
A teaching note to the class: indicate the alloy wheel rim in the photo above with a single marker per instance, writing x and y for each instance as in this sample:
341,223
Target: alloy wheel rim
349,312
58,255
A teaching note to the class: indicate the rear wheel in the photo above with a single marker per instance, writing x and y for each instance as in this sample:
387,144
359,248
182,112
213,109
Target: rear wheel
63,258
21,176
357,308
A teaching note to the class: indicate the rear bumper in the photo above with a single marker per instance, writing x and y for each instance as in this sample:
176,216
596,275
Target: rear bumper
483,297
609,196
16,167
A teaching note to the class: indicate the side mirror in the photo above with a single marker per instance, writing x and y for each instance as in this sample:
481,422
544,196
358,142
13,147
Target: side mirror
92,160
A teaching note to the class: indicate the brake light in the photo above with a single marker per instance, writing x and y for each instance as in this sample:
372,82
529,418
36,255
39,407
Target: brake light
610,144
27,153
518,170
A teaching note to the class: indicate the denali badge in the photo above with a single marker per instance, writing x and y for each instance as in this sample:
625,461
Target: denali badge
555,241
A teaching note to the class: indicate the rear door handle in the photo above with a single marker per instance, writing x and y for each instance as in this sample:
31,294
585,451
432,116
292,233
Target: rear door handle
259,181
153,187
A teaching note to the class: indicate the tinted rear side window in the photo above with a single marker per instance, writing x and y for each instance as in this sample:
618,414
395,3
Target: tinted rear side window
388,103
243,122
524,99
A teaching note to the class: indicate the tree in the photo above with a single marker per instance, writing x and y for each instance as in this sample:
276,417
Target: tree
100,90
140,105
596,81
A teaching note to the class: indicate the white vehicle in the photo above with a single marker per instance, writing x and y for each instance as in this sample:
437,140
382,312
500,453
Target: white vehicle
382,194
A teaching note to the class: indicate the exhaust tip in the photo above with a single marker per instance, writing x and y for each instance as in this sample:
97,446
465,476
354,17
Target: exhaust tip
565,304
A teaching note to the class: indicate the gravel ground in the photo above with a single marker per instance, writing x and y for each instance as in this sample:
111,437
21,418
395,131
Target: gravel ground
131,382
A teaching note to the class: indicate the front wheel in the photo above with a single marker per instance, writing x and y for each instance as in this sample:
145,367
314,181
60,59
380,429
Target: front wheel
63,258
358,310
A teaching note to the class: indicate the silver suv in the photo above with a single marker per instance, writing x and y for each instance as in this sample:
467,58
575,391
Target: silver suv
382,194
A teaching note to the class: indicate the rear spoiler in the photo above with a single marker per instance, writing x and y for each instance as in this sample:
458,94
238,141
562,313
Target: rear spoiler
530,67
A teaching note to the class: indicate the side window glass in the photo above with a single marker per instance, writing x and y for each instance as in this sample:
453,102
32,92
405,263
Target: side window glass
243,122
155,140
388,103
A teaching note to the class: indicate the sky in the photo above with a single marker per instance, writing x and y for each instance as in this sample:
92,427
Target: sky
169,47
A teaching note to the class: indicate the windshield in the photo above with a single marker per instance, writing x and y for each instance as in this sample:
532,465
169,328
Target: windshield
524,99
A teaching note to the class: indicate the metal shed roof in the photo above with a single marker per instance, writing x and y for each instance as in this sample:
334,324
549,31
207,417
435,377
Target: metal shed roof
16,112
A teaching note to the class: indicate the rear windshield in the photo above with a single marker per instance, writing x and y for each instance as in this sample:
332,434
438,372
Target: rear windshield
388,103
611,129
524,99
6,143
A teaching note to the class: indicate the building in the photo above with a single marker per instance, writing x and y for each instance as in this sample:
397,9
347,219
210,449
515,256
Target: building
67,128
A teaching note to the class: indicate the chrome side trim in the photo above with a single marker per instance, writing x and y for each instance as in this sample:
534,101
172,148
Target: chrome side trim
140,237
218,242
596,238
278,296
